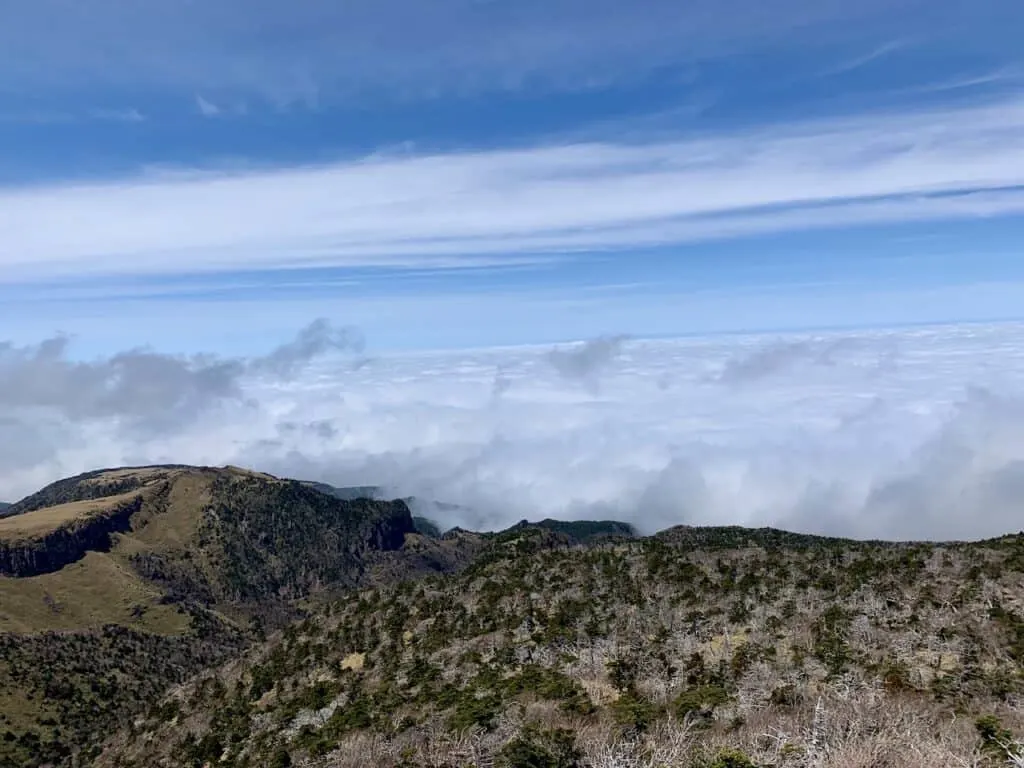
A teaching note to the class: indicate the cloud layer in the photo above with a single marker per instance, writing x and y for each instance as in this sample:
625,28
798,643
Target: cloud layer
440,210
896,434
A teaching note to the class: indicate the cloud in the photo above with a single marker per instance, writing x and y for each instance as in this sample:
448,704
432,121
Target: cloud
782,357
126,115
901,433
859,445
965,480
315,340
52,117
51,402
137,385
207,108
864,59
584,362
502,383
450,210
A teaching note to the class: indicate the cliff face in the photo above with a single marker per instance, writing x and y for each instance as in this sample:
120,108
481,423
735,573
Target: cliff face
211,534
260,539
187,556
52,551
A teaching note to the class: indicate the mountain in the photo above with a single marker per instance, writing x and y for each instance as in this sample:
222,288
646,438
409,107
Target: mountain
583,531
118,583
193,616
427,527
578,531
717,647
347,493
423,522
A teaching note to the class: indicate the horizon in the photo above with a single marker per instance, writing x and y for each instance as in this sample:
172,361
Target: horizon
909,433
716,262
419,512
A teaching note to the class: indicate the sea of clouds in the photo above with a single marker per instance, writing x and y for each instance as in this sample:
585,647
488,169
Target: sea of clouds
907,433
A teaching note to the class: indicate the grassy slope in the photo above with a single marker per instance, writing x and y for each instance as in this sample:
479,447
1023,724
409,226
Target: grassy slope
853,654
98,590
206,552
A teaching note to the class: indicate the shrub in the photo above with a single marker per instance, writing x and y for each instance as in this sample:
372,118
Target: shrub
705,697
732,758
995,739
633,712
471,711
541,749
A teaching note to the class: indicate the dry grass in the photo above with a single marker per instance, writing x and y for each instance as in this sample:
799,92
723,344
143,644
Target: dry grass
868,730
143,474
97,590
43,521
252,473
174,527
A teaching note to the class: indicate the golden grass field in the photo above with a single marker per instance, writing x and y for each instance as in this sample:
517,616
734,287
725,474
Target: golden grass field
43,521
99,589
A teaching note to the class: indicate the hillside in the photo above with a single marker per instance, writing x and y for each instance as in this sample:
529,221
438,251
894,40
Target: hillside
710,648
583,531
126,581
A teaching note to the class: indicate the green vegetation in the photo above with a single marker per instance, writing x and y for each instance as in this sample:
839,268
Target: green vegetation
152,574
239,620
584,531
689,645
427,527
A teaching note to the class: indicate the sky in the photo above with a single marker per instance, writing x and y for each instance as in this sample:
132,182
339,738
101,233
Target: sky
191,188
216,175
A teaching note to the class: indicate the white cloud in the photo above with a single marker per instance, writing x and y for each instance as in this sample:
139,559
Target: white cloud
125,115
387,210
207,108
52,117
864,59
903,433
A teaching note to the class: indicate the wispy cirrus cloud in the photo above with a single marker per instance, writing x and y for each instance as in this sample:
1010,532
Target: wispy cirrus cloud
878,52
50,117
208,108
886,168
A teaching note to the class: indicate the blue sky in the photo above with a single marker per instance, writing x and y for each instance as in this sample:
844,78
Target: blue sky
211,176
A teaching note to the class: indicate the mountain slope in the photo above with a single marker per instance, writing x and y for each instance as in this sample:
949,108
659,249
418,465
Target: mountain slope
583,531
720,647
179,565
214,536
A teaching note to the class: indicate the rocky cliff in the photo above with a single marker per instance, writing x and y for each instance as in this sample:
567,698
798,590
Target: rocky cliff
52,550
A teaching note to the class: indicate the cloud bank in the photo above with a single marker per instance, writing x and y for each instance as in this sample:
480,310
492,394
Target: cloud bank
894,434
449,210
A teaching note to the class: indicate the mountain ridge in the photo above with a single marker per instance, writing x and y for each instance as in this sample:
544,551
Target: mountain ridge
191,563
175,586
